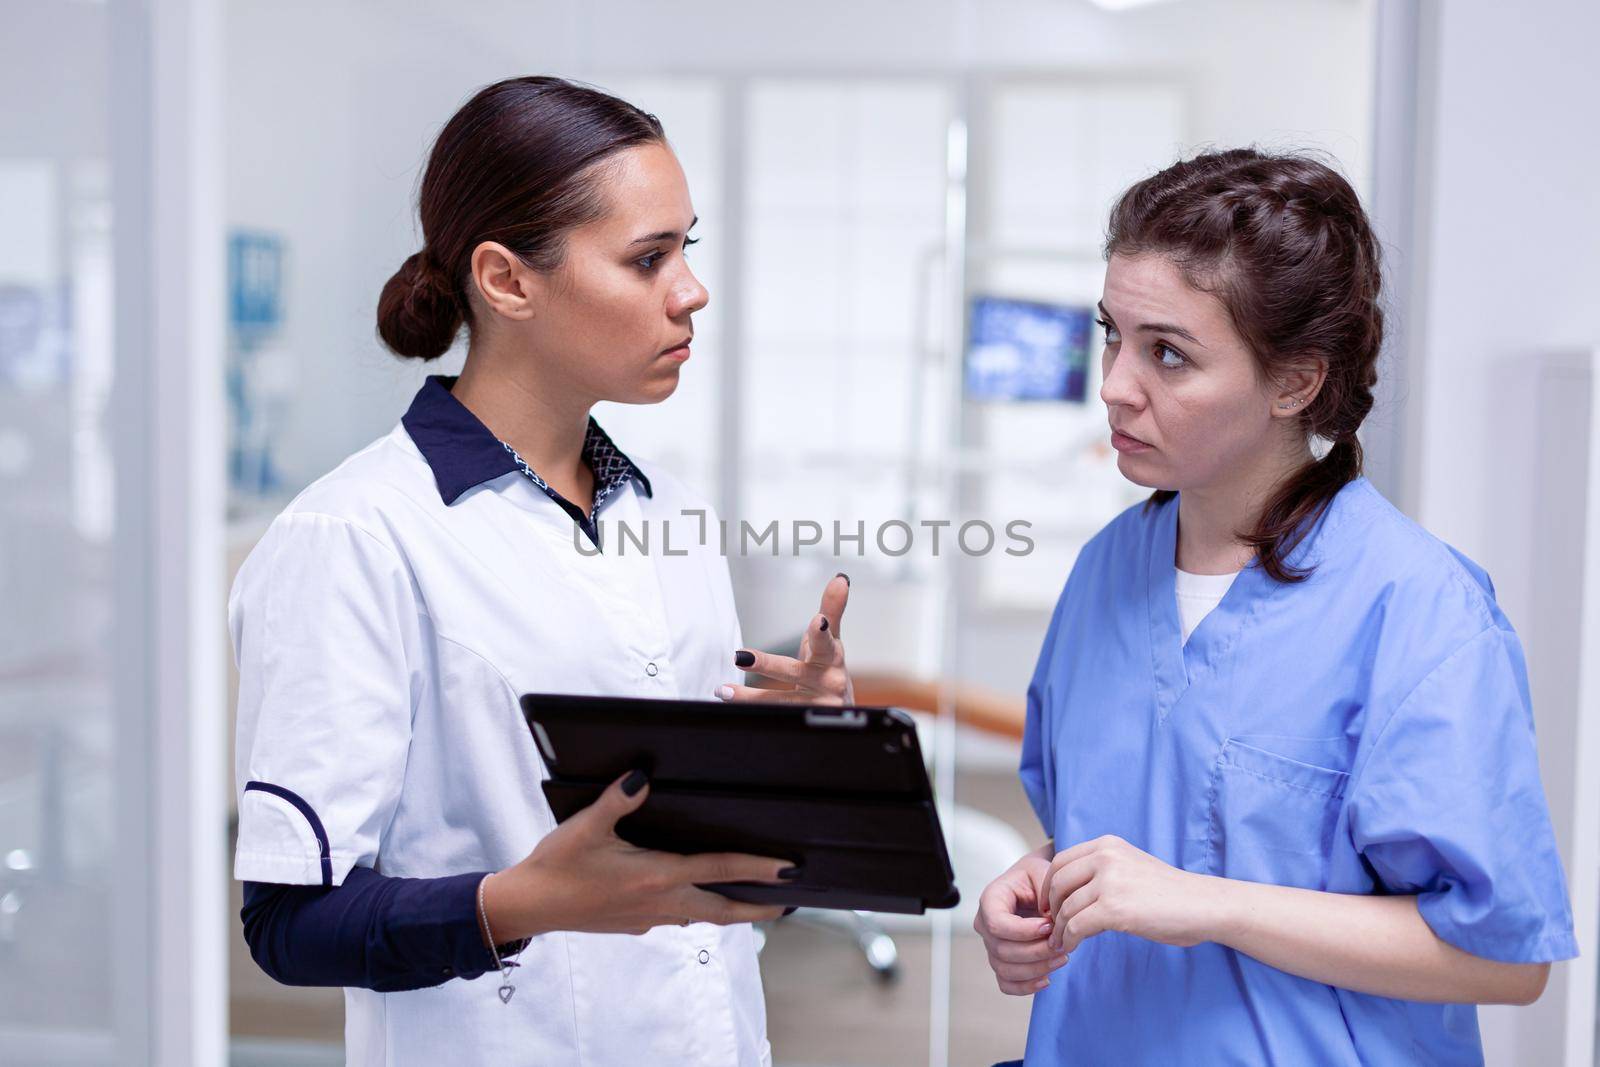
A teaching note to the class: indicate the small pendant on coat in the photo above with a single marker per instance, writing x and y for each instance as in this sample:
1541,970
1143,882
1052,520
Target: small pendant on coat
505,994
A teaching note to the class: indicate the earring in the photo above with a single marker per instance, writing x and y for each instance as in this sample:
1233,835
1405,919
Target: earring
1290,404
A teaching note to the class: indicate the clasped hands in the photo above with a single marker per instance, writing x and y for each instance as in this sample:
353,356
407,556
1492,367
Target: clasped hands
1036,914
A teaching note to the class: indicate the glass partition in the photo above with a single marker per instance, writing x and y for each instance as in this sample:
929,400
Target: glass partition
63,741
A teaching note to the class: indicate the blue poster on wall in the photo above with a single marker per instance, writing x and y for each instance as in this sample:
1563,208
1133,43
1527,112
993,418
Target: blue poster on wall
1027,350
255,282
260,374
35,335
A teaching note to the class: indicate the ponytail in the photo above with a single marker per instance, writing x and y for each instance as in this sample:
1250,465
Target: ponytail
1297,507
1294,509
516,165
419,311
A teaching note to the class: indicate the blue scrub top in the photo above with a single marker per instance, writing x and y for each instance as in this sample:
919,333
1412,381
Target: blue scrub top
1365,731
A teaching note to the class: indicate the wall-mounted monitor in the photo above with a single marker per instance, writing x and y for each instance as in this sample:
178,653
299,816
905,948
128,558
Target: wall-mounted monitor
1027,350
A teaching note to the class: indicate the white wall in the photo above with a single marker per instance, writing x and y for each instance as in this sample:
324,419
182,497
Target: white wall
1510,231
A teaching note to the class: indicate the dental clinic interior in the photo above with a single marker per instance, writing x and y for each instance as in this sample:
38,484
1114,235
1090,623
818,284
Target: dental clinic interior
902,210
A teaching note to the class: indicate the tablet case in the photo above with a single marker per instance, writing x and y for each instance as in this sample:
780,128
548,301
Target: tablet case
840,792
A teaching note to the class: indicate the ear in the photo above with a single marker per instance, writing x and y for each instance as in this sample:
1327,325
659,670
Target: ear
508,286
1295,388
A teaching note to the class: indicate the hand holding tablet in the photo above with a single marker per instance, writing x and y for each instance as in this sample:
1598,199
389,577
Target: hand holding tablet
582,876
839,792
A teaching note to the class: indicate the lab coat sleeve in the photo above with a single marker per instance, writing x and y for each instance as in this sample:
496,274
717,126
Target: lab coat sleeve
372,932
324,622
1449,807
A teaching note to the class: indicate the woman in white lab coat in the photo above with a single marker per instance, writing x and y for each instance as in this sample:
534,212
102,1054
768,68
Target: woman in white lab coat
393,835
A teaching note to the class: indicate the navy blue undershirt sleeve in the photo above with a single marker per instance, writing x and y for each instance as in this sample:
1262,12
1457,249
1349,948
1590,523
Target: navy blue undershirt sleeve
372,932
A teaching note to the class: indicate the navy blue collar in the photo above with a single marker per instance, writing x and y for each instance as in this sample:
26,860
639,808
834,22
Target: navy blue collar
462,453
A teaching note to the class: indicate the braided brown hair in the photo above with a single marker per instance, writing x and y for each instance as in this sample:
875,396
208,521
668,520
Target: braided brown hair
1283,243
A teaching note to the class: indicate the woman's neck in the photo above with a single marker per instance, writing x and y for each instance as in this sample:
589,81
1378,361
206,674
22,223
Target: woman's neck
544,423
1211,518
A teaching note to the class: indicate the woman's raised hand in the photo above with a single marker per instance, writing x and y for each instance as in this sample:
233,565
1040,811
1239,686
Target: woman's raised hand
582,876
818,675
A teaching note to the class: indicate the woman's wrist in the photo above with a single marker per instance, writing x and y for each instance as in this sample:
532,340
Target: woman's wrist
1222,909
507,900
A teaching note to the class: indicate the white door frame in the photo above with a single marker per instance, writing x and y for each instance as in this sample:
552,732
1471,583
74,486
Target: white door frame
167,953
168,429
1560,1028
1399,171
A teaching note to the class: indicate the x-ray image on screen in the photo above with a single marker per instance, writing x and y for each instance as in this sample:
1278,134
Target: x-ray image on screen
1026,350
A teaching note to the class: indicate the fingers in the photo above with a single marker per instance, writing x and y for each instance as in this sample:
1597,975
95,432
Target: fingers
1023,890
703,906
1067,933
819,672
710,867
820,644
622,798
1027,972
815,675
819,647
835,595
1027,952
771,665
1038,892
997,918
1085,924
733,694
1065,879
1016,928
1023,989
1081,849
1020,953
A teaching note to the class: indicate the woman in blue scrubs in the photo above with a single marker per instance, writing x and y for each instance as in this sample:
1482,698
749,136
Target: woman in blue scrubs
1280,735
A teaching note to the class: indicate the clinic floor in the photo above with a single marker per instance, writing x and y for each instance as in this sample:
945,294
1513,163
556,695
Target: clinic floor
825,1007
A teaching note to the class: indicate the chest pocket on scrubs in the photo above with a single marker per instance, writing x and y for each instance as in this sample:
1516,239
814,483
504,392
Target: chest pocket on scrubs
1271,818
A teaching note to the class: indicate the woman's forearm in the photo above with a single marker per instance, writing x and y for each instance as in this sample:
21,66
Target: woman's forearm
372,932
1370,944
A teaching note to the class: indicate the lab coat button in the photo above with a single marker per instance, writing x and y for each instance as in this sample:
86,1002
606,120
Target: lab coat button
705,957
651,669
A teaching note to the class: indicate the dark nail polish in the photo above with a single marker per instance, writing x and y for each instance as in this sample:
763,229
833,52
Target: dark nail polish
843,575
789,874
790,910
634,782
742,658
824,624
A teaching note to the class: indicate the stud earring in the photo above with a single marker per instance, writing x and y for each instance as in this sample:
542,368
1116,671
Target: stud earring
1290,404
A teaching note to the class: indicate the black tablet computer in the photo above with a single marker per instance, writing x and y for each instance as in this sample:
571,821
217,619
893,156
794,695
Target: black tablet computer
840,792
